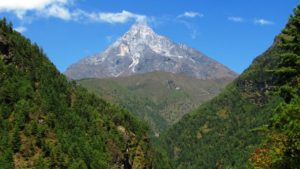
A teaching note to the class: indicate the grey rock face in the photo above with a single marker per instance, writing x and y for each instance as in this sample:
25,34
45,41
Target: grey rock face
141,50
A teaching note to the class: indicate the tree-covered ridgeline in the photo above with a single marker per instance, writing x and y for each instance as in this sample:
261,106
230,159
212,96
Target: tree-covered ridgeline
254,122
282,147
48,122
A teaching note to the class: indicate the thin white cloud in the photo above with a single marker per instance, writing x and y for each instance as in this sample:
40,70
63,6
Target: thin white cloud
194,33
62,9
25,5
110,38
20,29
193,29
57,11
109,17
190,14
263,22
235,19
21,7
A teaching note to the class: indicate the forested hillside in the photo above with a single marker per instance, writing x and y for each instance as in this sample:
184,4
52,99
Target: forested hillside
48,122
282,147
254,122
159,98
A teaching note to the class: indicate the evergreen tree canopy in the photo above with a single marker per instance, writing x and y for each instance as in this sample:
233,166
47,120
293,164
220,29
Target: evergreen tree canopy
48,122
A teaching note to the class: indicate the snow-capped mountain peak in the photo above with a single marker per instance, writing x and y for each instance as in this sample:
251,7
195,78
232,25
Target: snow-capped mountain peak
140,31
141,50
142,35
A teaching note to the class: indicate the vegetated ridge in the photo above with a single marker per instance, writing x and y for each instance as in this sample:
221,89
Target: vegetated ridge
254,122
159,98
48,122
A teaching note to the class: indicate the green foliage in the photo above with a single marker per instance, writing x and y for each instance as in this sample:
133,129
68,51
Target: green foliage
162,160
226,132
284,151
209,138
159,98
48,122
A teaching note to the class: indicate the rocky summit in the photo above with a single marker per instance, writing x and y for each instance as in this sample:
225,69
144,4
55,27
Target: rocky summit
141,50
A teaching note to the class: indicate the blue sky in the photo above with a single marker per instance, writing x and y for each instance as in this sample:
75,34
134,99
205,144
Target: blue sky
232,32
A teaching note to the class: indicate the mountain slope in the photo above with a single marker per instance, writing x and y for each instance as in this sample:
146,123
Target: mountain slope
47,122
224,132
159,98
141,50
281,149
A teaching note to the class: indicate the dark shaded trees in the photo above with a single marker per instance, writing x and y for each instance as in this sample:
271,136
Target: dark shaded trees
48,122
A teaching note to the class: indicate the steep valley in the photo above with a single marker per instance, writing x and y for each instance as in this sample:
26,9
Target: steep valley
146,102
159,98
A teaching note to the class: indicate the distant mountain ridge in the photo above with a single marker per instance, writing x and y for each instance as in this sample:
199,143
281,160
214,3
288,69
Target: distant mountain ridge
141,50
159,98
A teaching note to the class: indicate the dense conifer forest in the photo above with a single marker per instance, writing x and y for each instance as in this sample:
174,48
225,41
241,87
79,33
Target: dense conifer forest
48,122
254,122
